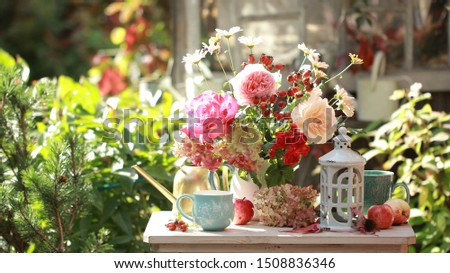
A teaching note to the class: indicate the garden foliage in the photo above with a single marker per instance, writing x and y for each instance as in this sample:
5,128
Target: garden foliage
66,185
415,144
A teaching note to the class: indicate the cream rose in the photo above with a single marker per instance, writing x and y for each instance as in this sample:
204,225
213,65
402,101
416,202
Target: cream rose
315,118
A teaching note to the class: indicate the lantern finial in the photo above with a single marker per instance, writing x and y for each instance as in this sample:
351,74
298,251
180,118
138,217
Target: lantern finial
342,140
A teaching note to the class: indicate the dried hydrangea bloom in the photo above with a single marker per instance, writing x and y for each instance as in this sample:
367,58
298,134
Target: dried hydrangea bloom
286,206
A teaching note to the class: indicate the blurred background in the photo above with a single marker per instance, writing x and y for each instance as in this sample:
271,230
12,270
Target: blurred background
70,36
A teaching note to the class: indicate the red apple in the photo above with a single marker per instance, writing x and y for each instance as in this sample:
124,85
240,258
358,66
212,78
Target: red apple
401,210
382,215
243,211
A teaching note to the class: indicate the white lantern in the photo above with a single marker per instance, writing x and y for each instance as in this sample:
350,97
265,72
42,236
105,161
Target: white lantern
341,184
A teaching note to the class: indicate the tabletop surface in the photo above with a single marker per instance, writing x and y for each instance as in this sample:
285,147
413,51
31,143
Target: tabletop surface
256,233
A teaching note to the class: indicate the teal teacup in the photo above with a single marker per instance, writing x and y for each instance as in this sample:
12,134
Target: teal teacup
379,186
212,210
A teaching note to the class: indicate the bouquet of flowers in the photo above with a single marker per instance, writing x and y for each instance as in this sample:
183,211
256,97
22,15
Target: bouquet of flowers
258,117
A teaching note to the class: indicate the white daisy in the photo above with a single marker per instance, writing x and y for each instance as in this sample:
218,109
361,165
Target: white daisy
213,45
194,58
228,33
250,41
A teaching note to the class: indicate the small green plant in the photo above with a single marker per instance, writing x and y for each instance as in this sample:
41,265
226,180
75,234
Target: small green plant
43,194
414,144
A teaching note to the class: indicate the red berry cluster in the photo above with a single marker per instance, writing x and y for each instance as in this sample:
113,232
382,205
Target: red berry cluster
177,224
302,81
273,105
292,143
265,60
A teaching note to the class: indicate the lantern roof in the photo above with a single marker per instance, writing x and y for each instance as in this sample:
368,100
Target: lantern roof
342,154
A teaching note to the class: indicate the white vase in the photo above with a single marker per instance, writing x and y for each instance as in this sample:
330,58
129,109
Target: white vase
242,188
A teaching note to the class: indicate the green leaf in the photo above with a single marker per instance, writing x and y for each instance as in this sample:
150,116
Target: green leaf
109,207
79,97
415,221
381,144
426,109
423,197
167,102
126,182
6,59
441,221
122,220
274,175
398,94
372,153
123,239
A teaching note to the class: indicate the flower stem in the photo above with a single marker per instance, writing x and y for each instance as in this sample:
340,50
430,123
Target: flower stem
223,69
231,58
204,77
303,62
339,74
333,101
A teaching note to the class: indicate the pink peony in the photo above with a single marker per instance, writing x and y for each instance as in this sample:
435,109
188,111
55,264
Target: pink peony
210,115
315,118
254,81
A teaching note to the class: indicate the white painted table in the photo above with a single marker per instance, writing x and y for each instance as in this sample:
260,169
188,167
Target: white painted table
255,237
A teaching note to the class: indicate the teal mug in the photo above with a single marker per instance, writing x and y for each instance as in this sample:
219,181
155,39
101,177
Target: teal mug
213,210
379,186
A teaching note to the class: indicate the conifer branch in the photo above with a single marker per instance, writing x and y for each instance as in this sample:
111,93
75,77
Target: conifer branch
73,211
23,128
5,152
37,232
2,103
13,237
60,228
56,178
73,158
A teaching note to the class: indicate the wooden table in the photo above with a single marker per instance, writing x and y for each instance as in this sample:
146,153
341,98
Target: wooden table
255,237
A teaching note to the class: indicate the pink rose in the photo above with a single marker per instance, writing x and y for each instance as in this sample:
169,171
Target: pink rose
210,115
315,118
254,81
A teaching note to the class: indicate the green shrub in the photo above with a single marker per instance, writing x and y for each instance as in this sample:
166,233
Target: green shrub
414,144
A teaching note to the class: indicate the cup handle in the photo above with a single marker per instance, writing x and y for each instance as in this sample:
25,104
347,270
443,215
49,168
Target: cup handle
404,186
190,196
